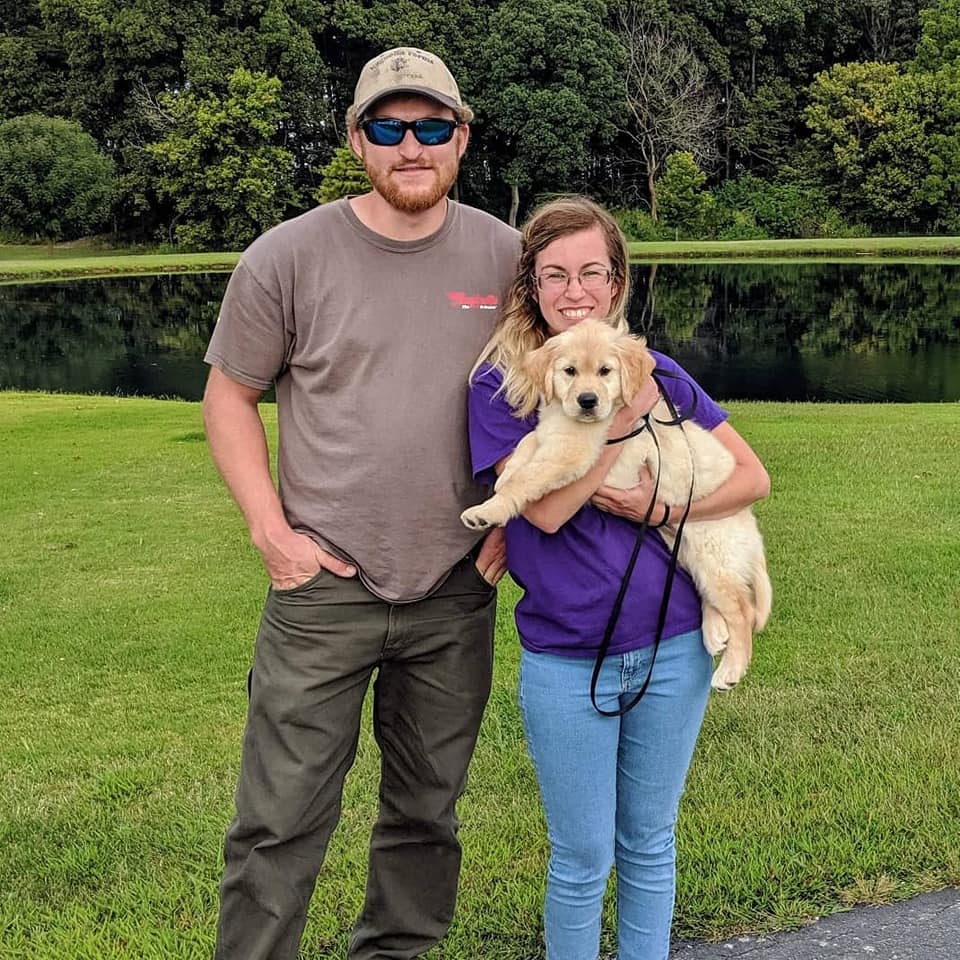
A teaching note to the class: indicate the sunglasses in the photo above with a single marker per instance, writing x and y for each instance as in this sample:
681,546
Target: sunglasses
431,131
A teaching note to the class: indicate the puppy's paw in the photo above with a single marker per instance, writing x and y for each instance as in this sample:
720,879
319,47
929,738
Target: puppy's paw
474,518
715,640
494,512
728,674
716,633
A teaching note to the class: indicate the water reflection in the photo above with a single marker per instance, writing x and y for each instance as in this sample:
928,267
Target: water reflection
745,330
807,331
140,336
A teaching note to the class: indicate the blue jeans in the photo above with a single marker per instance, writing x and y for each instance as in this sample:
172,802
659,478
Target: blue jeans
611,788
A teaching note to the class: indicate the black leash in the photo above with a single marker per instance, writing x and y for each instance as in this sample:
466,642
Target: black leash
677,420
633,433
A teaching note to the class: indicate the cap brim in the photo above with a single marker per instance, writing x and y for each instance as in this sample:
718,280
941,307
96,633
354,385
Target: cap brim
441,98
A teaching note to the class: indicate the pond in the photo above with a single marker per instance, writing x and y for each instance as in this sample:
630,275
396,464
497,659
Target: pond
761,331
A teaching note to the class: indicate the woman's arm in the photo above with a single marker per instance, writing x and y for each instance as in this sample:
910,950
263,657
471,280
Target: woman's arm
748,483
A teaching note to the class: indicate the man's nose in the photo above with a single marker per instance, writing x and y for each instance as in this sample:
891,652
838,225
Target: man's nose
410,146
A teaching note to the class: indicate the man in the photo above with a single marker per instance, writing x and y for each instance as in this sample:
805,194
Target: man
367,314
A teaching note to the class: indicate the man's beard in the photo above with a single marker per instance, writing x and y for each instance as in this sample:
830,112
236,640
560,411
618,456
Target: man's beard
411,199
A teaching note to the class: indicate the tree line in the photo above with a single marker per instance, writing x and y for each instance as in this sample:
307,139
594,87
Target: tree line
203,123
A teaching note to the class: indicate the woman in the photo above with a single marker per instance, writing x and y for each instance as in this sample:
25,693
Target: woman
611,784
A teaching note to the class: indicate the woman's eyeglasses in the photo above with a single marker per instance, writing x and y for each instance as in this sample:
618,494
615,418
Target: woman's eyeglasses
431,131
593,278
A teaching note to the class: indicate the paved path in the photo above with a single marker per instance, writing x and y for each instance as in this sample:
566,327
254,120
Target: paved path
923,928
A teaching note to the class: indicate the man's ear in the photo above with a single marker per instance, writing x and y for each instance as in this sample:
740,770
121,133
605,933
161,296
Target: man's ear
636,364
354,140
463,132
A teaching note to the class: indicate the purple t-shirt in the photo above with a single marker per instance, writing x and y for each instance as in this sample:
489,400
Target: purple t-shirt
570,578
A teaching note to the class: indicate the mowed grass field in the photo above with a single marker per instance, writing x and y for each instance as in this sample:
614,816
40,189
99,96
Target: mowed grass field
91,258
129,600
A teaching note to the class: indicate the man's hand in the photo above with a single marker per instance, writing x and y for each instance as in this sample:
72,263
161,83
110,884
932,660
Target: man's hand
492,558
293,558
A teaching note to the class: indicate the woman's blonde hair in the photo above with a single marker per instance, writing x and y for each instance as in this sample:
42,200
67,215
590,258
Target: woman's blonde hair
522,328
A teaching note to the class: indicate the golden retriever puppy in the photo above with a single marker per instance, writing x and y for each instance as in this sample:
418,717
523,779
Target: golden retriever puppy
581,377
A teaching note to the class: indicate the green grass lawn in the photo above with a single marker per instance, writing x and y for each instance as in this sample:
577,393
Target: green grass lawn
94,257
59,266
129,598
59,251
87,259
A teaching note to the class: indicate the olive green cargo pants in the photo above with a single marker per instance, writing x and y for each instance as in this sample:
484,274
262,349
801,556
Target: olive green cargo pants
317,648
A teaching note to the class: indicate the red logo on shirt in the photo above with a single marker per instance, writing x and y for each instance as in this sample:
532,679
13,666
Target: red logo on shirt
464,301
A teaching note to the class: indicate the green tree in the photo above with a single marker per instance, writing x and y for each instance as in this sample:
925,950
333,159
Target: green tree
761,55
105,63
887,144
284,39
912,168
115,48
684,203
343,176
546,92
54,181
939,42
670,105
848,109
32,62
218,163
890,28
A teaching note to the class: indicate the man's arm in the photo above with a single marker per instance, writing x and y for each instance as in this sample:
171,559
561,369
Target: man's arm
238,445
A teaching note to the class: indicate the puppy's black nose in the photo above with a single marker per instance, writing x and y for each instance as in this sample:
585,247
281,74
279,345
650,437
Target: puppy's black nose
587,401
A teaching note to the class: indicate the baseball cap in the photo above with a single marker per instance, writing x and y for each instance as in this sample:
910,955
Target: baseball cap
406,70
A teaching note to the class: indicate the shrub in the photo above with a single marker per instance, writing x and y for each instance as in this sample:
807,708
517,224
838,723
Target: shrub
639,225
832,224
741,225
778,209
343,176
54,181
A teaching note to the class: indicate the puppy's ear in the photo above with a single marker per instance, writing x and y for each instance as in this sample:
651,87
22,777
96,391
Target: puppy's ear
636,364
537,368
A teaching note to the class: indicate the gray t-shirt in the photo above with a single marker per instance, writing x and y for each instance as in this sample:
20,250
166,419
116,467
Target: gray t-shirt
369,341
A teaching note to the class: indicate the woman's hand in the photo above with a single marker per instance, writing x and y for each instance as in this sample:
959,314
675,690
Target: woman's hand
748,483
632,503
642,403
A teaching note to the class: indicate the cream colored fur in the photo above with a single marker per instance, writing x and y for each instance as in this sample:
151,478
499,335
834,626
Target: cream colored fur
725,558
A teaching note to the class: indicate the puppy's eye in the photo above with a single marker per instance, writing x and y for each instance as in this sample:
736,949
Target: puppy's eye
570,371
604,371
